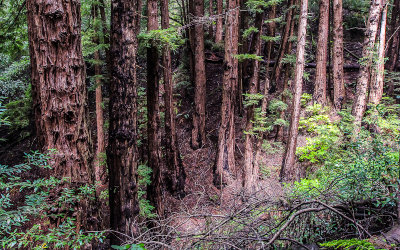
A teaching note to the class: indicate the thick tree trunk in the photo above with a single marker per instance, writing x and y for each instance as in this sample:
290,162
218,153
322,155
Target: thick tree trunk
225,162
288,171
219,27
175,177
376,89
283,48
367,54
337,59
122,155
58,86
251,170
199,114
153,147
322,53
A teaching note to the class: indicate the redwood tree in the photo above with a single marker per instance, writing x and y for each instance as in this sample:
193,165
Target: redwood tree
288,171
337,59
58,86
251,168
199,114
176,173
367,54
219,26
122,155
153,143
322,53
225,162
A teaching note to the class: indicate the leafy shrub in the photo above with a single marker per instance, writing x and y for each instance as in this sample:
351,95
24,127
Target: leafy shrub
27,224
14,76
349,244
19,112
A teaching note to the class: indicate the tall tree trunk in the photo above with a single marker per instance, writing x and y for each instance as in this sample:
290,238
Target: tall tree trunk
122,154
394,42
251,170
100,171
58,86
283,48
155,190
219,27
322,53
288,171
367,54
376,90
175,178
337,60
243,73
199,114
288,74
225,162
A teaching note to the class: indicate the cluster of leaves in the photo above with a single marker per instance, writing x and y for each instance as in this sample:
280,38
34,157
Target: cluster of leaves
28,223
349,244
14,76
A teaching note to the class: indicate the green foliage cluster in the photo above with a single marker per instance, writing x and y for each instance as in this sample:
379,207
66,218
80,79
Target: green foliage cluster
14,76
28,224
19,112
163,37
355,244
146,209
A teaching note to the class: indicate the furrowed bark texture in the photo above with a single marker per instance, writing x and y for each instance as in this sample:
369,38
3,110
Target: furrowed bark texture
219,26
175,176
58,86
288,171
251,169
225,162
322,53
199,115
153,147
122,154
367,54
337,59
376,89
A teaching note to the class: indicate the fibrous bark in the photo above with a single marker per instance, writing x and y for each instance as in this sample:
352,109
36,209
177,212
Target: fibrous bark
122,155
337,59
288,171
322,53
367,54
199,114
219,26
175,177
376,88
251,168
153,146
58,86
225,162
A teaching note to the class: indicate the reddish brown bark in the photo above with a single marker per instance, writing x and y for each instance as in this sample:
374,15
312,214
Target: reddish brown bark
153,147
337,56
288,171
251,168
122,155
58,86
100,168
219,26
376,87
322,53
367,54
175,177
199,115
225,162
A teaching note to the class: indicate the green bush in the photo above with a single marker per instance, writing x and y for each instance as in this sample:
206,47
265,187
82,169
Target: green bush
27,225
